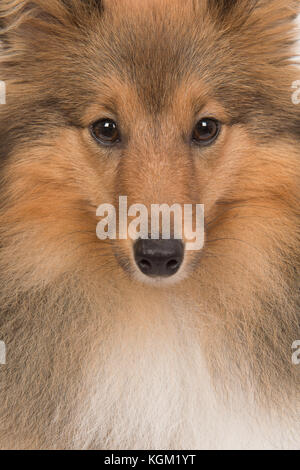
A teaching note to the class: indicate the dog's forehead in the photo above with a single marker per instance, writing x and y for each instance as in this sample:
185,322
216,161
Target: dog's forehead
155,48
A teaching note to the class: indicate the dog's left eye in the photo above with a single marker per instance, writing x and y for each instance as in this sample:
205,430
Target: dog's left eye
106,132
206,131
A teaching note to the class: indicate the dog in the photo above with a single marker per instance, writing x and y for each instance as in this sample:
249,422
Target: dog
164,102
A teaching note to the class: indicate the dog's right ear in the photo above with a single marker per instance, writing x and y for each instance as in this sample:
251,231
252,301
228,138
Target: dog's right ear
44,14
223,7
221,10
262,29
26,25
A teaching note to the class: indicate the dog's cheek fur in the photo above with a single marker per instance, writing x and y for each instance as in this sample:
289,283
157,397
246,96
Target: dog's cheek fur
49,199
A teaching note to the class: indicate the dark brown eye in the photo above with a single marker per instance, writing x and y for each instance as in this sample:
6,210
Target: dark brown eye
106,132
206,131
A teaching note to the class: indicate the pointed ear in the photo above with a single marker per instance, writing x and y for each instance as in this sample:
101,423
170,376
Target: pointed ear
265,28
222,8
48,13
233,9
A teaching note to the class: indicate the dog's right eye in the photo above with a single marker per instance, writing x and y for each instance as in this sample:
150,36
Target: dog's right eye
105,132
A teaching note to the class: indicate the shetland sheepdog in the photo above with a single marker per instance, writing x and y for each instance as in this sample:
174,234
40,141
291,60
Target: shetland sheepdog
123,344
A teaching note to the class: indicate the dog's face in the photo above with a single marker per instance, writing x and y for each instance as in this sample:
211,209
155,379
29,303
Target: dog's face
165,102
159,102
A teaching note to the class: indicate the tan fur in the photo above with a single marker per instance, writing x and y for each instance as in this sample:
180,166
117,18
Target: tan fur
96,358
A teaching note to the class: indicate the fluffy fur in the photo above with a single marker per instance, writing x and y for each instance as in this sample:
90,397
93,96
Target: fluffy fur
96,358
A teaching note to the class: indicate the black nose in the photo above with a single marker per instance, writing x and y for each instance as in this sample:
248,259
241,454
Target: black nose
159,257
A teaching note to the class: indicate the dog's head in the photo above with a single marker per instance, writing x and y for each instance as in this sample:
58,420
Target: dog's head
161,101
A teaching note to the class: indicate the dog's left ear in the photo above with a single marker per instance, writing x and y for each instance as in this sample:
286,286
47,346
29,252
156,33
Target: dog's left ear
223,8
265,29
